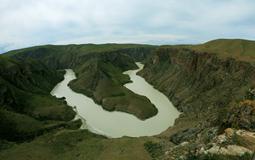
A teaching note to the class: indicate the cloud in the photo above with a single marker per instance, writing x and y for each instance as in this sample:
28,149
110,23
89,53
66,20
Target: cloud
137,38
35,22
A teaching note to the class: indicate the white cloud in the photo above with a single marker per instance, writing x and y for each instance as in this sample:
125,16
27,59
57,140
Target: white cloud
34,22
138,38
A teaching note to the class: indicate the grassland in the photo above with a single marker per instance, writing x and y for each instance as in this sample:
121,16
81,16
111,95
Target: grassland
235,48
80,145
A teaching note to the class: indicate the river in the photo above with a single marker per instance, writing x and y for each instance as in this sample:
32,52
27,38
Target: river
117,124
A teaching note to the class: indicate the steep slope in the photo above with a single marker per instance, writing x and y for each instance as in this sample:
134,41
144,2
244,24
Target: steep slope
78,145
25,102
99,70
205,86
69,56
101,78
193,80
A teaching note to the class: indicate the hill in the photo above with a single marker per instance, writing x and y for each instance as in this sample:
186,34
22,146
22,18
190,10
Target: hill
236,48
26,106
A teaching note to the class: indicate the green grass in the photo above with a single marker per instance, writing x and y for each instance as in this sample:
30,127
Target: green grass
17,126
73,48
76,144
47,107
155,149
236,48
25,100
103,81
114,73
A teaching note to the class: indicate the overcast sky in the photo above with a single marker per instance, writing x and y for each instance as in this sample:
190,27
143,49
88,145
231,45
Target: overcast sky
35,22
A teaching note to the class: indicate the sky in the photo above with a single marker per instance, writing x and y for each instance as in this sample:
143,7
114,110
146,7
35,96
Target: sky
37,22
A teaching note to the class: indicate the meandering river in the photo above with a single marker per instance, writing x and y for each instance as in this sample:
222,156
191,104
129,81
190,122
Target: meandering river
117,124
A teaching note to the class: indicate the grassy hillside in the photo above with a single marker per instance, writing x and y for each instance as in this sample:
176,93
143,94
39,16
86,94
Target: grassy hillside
99,70
39,112
78,145
79,49
237,48
26,106
101,78
69,56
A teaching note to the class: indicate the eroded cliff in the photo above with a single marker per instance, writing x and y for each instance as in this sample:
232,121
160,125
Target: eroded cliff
196,81
208,89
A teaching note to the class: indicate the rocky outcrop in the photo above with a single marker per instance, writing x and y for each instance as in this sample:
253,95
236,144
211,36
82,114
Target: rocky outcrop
185,135
233,142
245,138
241,116
232,150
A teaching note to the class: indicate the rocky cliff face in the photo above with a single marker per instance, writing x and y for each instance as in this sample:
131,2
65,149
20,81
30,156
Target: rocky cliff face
209,90
195,81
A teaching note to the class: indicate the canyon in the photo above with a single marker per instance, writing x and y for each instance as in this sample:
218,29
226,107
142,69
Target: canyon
214,93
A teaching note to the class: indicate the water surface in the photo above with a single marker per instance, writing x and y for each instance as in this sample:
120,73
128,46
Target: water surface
117,124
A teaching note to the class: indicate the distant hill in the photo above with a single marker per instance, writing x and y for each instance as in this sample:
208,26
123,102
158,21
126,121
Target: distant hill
76,48
68,56
237,48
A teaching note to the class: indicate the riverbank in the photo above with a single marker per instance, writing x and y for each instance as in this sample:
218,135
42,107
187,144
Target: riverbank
111,123
199,84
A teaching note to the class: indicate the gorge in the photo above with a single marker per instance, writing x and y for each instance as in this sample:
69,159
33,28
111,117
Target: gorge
212,87
111,123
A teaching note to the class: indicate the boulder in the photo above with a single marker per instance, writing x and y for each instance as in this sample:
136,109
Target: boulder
246,139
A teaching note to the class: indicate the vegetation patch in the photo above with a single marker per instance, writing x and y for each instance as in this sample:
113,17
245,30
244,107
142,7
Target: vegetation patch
154,149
